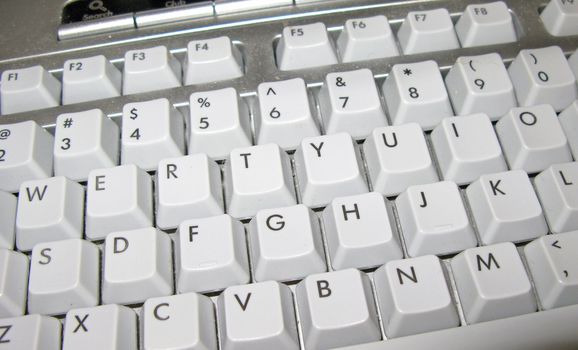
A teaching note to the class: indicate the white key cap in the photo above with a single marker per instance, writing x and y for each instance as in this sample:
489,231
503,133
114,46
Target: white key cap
7,220
543,76
349,102
63,275
481,84
366,39
151,131
492,283
467,147
532,138
569,121
552,261
327,167
560,17
219,122
398,157
118,199
400,284
28,89
305,46
486,24
433,219
25,154
257,317
211,254
506,208
256,178
137,266
337,309
573,62
85,141
415,92
49,210
557,187
89,79
31,332
212,60
110,327
284,115
359,232
13,283
185,321
286,244
150,69
427,31
187,187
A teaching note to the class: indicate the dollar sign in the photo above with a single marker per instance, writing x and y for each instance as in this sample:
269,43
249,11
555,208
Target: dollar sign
133,114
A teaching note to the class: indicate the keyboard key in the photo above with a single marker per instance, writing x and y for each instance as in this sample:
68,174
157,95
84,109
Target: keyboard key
89,79
401,283
486,24
359,232
49,210
415,92
349,102
85,141
327,167
467,147
137,266
366,39
110,327
492,283
560,17
532,138
13,284
211,254
151,131
118,199
573,61
506,208
257,317
286,244
25,154
337,309
212,60
28,89
219,122
150,69
543,76
8,204
187,187
398,157
433,219
481,84
557,187
185,321
569,121
256,178
427,31
63,275
552,262
284,114
305,46
30,332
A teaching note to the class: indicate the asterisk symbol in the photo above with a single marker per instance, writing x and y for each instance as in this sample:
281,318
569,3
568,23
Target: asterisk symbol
407,71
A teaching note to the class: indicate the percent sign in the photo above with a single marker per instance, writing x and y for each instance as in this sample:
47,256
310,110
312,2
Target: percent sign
204,102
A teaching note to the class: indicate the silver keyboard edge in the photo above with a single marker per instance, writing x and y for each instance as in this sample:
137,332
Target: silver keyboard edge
555,329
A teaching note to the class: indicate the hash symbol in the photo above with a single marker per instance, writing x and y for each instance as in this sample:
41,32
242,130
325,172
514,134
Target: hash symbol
67,123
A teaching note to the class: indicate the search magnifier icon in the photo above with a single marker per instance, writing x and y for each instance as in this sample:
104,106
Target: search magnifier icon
97,5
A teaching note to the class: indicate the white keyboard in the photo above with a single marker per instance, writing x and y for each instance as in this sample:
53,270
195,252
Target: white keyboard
289,174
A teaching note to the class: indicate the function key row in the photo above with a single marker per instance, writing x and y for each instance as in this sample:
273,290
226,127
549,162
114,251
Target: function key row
95,78
362,39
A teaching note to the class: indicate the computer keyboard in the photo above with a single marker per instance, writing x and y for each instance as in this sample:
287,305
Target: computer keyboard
288,174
